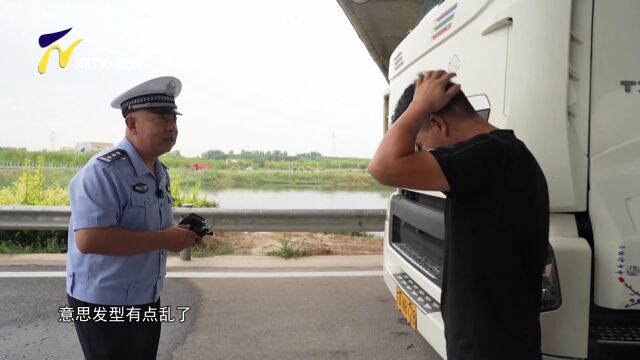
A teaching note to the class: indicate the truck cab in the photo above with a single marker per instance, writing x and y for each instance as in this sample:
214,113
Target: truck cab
564,76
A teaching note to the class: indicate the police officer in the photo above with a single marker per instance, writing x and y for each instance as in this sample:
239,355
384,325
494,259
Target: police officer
122,227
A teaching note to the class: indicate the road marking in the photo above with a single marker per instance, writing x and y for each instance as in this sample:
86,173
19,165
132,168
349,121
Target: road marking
32,274
285,274
211,275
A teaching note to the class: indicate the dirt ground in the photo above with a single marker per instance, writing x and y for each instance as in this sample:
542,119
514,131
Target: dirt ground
320,243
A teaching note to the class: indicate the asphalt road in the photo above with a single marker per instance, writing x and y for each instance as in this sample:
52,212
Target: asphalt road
230,318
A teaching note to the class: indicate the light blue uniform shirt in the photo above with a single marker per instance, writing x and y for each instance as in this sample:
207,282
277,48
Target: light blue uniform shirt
121,193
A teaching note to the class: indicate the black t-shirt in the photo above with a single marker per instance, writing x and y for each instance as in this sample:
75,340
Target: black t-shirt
496,230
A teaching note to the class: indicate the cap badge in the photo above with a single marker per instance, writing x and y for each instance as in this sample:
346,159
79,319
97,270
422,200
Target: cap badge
171,88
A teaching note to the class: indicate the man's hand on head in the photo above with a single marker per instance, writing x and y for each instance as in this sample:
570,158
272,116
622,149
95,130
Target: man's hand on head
431,92
395,163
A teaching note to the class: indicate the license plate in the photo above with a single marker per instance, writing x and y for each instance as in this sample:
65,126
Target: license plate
406,307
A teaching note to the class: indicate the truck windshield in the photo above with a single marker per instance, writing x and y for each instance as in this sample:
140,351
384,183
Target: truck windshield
427,5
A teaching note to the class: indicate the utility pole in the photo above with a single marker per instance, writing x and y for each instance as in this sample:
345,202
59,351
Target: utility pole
52,141
333,144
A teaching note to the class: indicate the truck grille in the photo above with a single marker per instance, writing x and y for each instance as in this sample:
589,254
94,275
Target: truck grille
416,232
418,259
629,335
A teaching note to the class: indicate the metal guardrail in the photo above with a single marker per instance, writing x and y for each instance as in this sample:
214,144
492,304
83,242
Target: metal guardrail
57,218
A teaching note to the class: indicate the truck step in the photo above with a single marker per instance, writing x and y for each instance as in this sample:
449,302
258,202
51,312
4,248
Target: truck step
424,263
420,297
618,335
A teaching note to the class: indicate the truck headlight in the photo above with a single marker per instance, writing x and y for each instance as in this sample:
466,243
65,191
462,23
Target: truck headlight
551,299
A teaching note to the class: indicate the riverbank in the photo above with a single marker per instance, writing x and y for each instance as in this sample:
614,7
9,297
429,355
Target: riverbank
210,180
331,180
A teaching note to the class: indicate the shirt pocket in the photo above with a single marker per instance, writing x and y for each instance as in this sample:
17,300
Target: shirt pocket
135,212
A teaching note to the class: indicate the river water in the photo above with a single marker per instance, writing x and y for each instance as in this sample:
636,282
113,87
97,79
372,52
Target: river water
297,199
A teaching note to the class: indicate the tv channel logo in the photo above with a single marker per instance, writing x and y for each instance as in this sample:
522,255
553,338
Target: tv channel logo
64,55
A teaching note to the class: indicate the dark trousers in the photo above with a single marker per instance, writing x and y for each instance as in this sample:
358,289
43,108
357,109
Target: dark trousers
117,340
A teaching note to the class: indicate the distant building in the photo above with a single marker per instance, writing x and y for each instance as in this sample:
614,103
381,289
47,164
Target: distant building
196,167
89,146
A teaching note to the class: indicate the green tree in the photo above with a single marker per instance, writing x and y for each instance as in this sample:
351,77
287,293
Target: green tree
182,197
29,188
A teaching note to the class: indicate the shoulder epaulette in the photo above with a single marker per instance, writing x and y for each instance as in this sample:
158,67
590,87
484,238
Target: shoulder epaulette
112,156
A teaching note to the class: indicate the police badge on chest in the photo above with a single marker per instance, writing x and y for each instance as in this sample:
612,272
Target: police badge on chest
141,188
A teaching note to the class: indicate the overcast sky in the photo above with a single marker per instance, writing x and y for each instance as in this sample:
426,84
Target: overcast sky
257,75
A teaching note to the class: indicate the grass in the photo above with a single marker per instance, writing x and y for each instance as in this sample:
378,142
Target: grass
265,179
49,246
246,170
55,242
346,180
289,249
60,177
208,251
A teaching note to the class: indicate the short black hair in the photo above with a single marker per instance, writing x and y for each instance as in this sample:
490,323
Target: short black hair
458,105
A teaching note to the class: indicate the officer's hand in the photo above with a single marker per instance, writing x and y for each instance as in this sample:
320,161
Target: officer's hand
199,241
431,94
179,237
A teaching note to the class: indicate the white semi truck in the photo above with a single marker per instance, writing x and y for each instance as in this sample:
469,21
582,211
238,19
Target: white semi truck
565,76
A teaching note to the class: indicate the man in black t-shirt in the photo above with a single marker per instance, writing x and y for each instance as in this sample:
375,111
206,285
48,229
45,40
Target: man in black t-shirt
496,217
